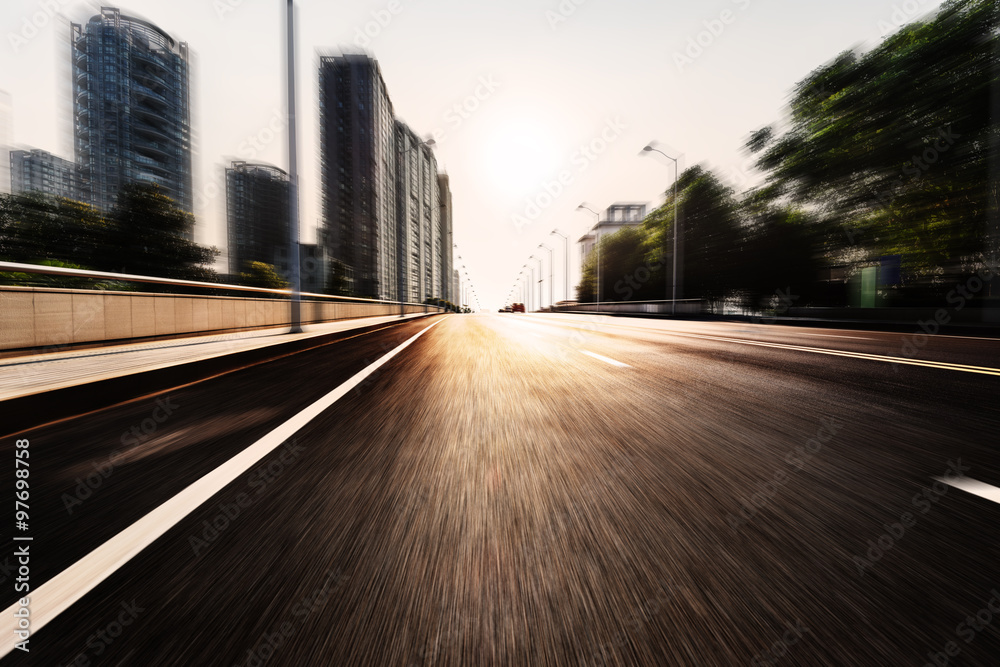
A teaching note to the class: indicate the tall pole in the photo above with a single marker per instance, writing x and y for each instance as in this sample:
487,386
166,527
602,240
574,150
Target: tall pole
552,300
538,304
597,243
677,224
527,287
293,183
565,262
531,290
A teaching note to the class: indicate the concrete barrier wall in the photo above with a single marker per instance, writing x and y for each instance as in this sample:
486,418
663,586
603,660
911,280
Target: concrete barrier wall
638,307
32,317
987,313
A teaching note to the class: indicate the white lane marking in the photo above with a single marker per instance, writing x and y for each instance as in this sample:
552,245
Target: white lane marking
59,593
981,489
605,359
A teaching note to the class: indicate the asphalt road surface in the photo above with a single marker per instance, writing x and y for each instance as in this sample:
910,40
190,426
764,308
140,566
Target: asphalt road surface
533,490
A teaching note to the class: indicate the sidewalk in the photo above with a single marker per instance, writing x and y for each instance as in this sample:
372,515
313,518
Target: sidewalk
35,374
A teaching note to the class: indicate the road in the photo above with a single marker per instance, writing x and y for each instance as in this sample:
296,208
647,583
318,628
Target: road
533,490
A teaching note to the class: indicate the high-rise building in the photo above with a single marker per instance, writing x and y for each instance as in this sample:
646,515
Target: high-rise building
131,102
36,170
256,214
447,246
358,161
6,137
418,213
386,229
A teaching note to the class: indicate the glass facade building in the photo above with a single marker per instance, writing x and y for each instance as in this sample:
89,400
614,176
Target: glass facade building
131,102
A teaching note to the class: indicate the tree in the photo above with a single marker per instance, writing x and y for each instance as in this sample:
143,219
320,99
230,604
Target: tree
709,236
891,148
260,274
622,256
151,236
35,227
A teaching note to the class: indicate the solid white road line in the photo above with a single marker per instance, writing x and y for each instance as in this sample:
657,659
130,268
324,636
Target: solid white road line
605,359
981,489
56,595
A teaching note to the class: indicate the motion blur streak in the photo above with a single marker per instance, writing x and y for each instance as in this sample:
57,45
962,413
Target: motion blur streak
488,500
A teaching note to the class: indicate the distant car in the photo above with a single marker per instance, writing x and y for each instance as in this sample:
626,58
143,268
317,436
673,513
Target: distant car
508,309
501,310
518,308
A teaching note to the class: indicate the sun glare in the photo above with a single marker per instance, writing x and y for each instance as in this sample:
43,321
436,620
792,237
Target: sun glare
519,155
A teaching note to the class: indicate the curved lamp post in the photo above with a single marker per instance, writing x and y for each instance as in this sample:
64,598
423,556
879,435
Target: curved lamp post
673,302
597,244
552,300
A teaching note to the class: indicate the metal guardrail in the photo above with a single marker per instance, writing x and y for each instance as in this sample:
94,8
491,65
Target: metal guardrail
133,278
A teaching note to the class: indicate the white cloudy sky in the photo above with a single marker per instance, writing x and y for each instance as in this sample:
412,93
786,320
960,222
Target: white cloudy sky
560,72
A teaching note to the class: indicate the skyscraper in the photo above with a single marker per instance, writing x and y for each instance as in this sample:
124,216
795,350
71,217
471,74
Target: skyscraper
358,174
256,214
446,234
132,119
6,137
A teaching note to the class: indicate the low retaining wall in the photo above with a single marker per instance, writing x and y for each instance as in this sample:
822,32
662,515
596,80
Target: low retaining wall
33,317
987,312
687,307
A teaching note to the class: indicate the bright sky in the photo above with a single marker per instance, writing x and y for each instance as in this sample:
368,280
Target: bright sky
513,91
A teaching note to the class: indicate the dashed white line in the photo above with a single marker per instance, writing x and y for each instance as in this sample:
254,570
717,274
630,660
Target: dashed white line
976,488
605,359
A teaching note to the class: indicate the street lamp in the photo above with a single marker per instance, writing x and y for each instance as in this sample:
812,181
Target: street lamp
565,261
538,304
677,223
527,287
597,239
552,300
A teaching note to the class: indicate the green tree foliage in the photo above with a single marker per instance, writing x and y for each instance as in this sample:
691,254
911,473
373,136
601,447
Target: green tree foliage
260,274
709,236
145,234
891,147
622,254
36,227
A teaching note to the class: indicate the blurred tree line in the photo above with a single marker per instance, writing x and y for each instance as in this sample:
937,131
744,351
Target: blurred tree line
145,234
880,178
